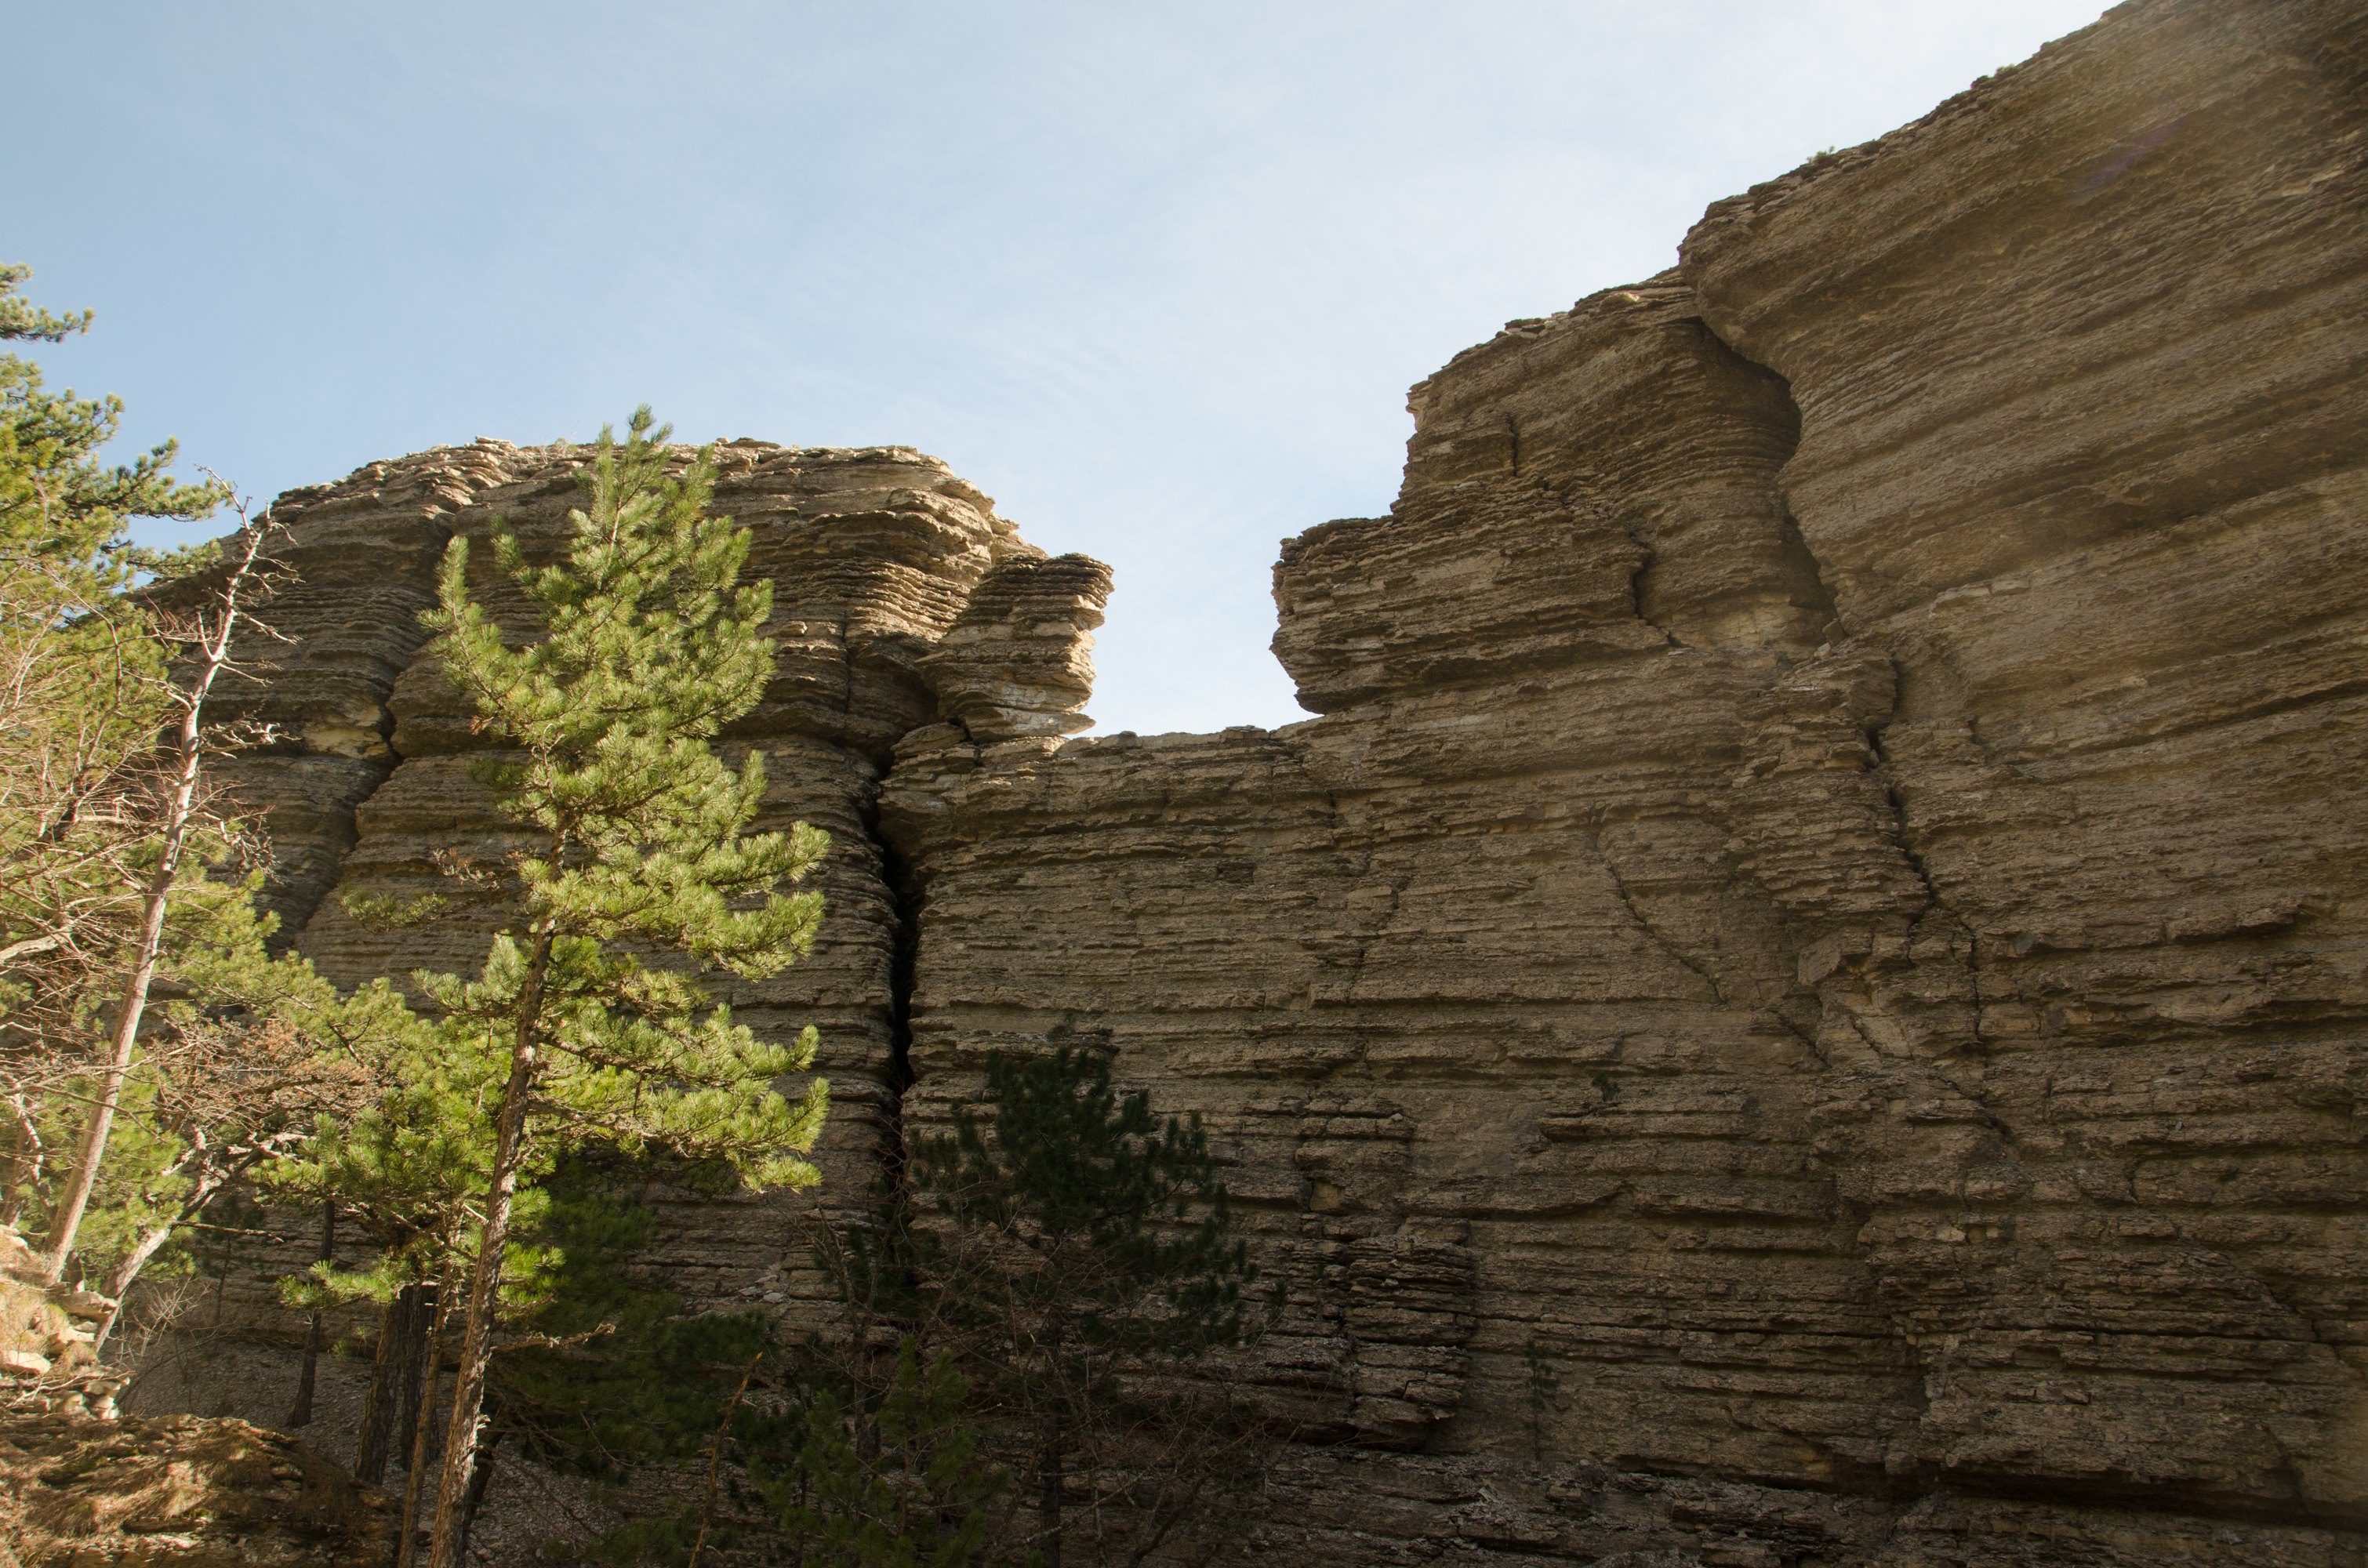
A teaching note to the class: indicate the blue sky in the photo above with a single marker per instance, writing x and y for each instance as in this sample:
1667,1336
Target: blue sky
1156,277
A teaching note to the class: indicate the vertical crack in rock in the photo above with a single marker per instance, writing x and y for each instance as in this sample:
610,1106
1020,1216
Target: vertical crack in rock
874,553
905,899
1651,928
1537,728
1749,992
1822,826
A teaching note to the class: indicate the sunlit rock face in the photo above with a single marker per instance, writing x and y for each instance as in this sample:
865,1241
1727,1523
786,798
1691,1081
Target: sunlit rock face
877,556
1802,1000
1824,898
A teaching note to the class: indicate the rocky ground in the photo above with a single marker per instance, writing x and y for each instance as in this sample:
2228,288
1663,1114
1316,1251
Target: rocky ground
79,1491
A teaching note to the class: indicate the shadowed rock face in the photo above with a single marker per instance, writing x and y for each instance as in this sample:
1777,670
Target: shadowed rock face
1802,1002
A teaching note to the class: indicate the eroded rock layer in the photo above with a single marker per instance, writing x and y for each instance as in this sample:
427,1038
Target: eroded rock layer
1802,1000
1822,906
875,556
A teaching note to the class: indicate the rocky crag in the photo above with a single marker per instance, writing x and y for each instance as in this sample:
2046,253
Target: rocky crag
1823,907
900,601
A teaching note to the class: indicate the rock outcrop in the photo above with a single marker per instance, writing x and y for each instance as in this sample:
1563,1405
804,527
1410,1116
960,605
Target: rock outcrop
894,582
1826,878
1802,1000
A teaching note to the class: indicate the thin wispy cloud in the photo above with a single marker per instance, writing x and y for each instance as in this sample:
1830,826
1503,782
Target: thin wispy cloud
1156,278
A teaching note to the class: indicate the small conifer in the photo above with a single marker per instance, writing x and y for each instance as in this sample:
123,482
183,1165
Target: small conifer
1109,1252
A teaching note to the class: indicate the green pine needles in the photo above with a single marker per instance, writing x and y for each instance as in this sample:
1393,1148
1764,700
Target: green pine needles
1108,1259
907,1489
639,846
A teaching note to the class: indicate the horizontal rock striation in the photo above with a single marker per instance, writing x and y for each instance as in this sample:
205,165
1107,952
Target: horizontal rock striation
1820,908
1015,662
874,555
2080,364
1802,1000
350,574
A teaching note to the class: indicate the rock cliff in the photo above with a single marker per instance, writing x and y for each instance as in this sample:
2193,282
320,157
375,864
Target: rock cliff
1822,907
899,595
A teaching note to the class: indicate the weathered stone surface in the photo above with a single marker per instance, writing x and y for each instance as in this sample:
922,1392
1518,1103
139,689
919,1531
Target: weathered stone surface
1348,1506
1828,867
354,568
1802,1002
874,555
1015,663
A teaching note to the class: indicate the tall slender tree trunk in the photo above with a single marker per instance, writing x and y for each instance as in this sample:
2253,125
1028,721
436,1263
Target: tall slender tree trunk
301,1414
476,1343
1050,1469
118,1284
128,1012
416,1477
24,1161
215,646
419,1389
373,1445
715,1461
120,1281
1048,1500
480,1476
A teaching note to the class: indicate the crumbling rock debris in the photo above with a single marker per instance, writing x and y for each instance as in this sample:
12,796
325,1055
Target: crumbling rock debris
178,1492
1812,967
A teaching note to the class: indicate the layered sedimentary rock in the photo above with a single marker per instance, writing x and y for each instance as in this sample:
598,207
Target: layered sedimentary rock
1822,906
1014,663
876,557
1802,1000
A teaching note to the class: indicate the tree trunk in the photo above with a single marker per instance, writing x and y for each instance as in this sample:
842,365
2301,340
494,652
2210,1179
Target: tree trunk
377,1405
88,1154
419,1389
177,812
390,1383
715,1462
480,1476
24,1162
301,1414
485,1282
119,1282
414,1478
1048,1504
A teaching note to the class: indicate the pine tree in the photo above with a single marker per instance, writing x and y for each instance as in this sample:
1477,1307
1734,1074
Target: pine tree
61,511
639,838
621,1375
899,1486
406,1171
108,831
1092,1258
84,696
